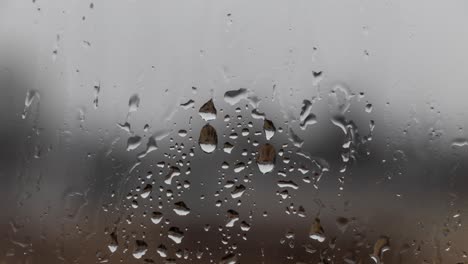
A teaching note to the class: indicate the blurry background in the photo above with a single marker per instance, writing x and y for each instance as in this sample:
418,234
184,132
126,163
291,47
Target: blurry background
368,99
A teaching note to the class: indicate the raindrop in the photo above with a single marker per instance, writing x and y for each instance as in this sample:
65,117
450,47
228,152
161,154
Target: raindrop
269,129
228,147
30,96
208,139
133,103
156,217
229,259
459,142
181,209
175,234
146,191
266,158
235,96
174,171
114,244
208,111
140,249
133,142
233,217
162,251
380,246
238,191
317,232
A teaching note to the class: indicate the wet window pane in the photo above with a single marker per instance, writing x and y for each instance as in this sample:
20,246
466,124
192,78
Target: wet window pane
233,131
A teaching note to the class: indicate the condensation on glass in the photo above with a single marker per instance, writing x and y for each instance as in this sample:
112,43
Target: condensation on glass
233,132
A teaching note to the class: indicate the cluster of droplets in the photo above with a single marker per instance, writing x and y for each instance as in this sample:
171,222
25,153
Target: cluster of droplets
269,160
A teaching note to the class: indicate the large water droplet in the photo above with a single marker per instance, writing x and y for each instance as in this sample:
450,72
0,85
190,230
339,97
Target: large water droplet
266,158
181,209
208,139
208,111
175,234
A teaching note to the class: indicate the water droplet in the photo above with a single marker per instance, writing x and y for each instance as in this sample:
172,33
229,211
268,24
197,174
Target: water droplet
368,108
235,96
380,246
181,209
182,133
459,142
266,158
114,244
146,191
175,234
238,191
30,96
188,104
133,103
295,139
208,139
140,249
126,127
156,217
229,259
233,217
228,147
317,232
208,111
162,251
288,184
174,171
269,129
133,142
